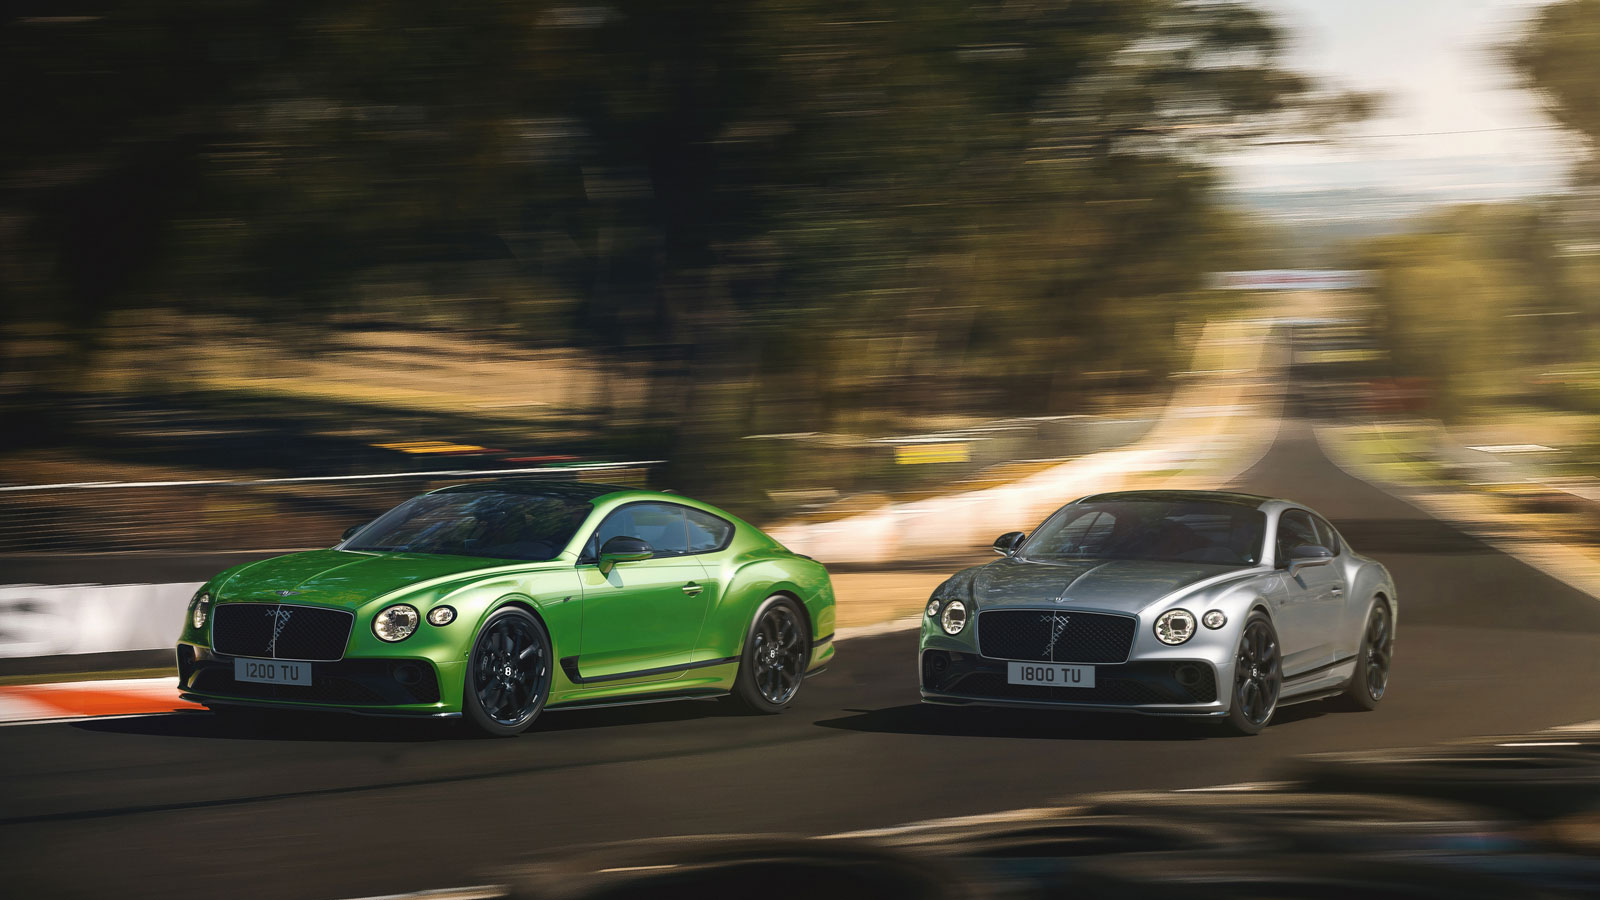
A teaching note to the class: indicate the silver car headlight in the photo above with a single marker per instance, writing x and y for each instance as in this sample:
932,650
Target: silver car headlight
1214,619
954,617
396,623
199,609
1175,626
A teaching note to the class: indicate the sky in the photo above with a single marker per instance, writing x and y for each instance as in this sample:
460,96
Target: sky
1435,63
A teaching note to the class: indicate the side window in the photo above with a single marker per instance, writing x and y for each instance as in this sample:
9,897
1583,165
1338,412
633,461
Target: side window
707,532
1330,538
1294,529
661,525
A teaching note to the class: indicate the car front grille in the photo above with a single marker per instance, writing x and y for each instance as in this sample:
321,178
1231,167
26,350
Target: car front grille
1048,635
280,631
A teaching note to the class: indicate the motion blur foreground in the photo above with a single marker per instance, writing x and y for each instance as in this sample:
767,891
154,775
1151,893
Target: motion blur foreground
883,279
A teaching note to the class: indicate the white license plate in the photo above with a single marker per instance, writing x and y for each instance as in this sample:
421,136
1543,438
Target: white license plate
272,671
1050,674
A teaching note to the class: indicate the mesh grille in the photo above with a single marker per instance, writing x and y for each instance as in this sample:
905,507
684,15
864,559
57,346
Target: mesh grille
1080,637
1129,685
306,632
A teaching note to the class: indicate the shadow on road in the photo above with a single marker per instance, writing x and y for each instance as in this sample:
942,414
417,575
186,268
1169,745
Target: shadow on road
279,725
1043,724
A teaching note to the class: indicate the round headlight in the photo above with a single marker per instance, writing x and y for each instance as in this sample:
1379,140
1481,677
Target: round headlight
1175,626
933,608
1214,619
202,606
954,617
441,615
396,623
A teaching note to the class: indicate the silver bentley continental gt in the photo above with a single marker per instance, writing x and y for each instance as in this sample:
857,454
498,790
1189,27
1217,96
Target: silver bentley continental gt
1186,603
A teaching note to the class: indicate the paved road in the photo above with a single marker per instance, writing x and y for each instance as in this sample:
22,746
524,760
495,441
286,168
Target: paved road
342,808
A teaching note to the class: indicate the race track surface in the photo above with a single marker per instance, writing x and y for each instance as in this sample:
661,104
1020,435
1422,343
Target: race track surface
327,808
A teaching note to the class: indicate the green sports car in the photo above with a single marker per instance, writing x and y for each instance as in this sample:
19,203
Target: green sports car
498,600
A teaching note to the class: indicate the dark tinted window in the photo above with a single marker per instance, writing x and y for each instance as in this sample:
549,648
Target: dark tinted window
707,532
1294,529
1172,530
478,523
661,525
1330,538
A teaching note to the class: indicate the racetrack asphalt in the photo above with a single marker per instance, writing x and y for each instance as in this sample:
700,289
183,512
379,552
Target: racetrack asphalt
331,807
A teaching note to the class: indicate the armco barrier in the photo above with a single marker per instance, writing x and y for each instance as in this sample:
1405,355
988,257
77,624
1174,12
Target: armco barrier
61,619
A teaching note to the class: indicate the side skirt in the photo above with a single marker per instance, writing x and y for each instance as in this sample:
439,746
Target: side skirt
569,665
664,697
1299,689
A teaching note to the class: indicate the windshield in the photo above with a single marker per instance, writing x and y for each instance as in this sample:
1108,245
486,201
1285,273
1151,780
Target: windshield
490,524
1200,531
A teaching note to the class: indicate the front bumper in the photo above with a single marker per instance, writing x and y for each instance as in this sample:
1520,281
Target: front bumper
399,686
1153,687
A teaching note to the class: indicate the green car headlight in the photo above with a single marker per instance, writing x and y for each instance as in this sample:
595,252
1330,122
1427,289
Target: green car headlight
441,615
933,607
199,608
954,617
396,623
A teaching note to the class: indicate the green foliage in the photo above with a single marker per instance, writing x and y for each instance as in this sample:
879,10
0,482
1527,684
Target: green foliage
1477,299
1560,57
792,209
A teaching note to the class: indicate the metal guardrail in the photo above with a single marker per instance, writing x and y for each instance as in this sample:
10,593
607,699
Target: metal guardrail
253,514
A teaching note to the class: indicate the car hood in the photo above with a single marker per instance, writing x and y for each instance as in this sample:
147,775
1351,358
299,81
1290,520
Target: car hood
1124,585
340,578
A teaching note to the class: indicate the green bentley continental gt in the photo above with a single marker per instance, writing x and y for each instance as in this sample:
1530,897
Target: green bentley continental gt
498,600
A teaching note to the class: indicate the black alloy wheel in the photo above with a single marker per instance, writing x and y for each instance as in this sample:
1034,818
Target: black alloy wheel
775,657
509,673
1257,676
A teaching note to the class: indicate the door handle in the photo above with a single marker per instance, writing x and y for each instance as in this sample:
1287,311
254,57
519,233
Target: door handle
1337,592
692,589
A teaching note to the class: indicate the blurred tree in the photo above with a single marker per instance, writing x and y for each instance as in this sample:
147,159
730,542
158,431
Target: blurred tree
1476,299
1560,58
800,214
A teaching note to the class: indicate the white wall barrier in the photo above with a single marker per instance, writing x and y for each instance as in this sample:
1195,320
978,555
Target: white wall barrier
60,619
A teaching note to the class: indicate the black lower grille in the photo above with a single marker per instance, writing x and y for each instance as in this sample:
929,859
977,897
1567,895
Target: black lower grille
1047,635
280,631
1130,684
350,682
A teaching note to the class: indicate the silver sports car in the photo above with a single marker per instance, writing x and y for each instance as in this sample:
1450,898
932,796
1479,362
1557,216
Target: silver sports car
1191,603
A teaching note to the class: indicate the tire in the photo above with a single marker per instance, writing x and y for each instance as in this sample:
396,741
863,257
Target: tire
508,673
1370,681
777,649
1258,677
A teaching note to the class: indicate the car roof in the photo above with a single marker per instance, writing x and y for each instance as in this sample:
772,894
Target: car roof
1254,501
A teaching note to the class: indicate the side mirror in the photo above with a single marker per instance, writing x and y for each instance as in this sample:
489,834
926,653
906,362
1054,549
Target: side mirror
1308,555
623,549
1007,544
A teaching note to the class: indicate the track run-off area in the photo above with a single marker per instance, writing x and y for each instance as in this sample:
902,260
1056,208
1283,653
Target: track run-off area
327,807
